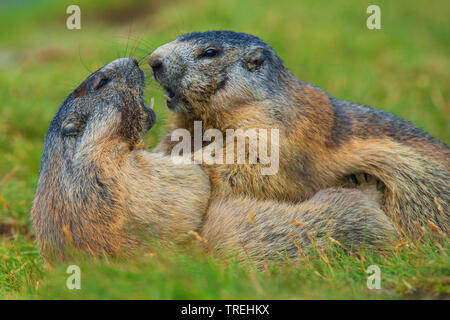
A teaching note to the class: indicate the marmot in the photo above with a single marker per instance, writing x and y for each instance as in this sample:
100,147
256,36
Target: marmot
97,189
232,80
101,192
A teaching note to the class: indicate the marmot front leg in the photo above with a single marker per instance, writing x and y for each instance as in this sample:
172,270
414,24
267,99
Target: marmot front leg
366,183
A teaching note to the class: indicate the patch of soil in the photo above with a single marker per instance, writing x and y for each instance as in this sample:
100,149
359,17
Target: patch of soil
11,228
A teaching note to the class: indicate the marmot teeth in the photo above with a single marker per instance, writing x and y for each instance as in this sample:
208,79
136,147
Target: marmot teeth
168,98
152,104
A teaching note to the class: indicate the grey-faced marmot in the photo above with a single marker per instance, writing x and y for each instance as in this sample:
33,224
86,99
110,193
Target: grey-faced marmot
231,80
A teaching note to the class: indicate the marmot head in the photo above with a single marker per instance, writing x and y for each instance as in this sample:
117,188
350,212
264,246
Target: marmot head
108,105
216,69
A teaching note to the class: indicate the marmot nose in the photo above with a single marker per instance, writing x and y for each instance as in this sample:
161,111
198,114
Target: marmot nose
155,63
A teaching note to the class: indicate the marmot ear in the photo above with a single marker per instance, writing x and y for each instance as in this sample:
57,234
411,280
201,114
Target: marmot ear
72,125
255,58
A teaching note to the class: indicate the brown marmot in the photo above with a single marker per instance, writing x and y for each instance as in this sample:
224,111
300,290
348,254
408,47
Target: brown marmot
97,189
101,192
230,80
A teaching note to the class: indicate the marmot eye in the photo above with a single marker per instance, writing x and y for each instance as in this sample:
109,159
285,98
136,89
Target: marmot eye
210,53
101,83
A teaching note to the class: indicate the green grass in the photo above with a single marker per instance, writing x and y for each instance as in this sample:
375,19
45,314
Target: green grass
403,68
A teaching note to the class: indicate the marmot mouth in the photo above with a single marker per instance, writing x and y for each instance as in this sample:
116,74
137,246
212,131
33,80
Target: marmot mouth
170,96
150,111
140,89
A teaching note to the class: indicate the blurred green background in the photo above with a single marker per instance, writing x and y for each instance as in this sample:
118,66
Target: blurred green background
402,68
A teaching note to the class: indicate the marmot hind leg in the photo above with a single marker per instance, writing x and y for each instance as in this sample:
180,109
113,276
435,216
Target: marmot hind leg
262,229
